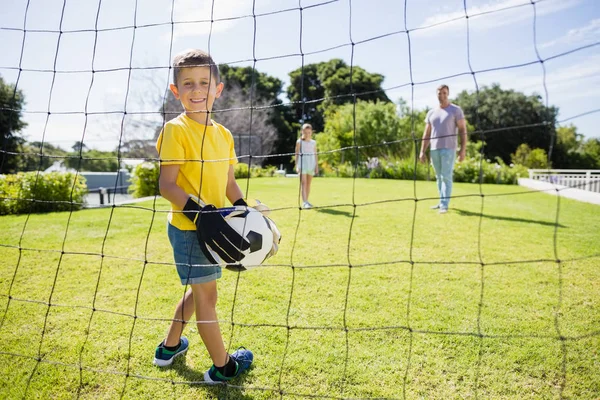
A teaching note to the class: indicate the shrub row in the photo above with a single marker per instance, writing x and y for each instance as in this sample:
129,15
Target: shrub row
36,192
471,170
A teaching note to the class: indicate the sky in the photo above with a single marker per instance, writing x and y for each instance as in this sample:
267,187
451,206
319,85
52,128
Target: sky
110,58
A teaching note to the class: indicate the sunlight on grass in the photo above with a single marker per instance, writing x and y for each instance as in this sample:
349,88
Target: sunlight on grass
359,301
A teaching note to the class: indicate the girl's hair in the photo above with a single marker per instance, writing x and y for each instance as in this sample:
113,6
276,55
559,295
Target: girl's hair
303,128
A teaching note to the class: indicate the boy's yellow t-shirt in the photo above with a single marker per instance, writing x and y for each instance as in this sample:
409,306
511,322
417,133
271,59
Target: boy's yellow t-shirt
204,154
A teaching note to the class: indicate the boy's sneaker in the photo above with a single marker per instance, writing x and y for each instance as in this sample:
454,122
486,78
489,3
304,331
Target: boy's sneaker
243,359
443,210
164,357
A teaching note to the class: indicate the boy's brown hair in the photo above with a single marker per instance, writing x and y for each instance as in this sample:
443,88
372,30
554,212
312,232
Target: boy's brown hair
194,58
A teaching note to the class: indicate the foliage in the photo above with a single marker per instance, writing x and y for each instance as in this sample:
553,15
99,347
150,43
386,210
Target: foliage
240,170
274,121
572,151
92,160
380,132
261,172
316,87
476,170
37,192
138,148
535,159
590,151
11,106
144,180
38,156
381,169
506,118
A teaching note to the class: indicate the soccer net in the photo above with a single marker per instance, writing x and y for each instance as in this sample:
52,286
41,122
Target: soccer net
372,294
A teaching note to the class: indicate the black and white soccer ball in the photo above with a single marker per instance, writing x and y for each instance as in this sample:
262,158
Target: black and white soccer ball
256,228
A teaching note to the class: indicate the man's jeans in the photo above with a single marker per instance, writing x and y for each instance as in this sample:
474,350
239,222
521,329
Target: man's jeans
443,164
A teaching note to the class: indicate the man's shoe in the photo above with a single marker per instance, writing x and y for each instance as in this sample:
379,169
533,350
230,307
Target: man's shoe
243,359
164,357
443,210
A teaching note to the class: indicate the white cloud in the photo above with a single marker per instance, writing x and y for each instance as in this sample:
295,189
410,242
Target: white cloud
496,12
580,36
225,14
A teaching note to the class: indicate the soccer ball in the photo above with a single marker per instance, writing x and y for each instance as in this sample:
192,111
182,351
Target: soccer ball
256,228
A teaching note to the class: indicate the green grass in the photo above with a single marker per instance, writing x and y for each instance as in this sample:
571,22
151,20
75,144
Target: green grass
463,305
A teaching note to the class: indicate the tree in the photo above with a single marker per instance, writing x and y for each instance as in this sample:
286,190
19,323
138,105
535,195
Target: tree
316,87
11,106
139,148
506,119
40,156
591,153
93,161
265,90
535,159
253,132
380,132
79,147
572,151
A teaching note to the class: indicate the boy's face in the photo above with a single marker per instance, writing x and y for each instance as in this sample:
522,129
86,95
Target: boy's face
197,90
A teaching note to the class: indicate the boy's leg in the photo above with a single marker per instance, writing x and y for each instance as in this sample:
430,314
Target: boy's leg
175,345
205,300
183,312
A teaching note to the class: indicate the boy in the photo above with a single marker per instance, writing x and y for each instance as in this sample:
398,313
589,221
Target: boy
197,157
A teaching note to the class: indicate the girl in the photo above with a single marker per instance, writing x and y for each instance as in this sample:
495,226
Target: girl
307,163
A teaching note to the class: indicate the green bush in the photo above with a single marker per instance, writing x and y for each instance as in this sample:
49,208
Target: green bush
259,172
37,192
383,169
399,169
144,181
467,171
240,170
471,171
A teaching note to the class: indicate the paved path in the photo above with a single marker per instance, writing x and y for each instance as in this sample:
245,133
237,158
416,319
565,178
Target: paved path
564,191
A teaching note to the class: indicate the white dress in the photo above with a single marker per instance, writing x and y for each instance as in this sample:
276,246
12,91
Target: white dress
307,160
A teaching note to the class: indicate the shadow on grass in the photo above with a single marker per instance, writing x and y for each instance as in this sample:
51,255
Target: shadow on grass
218,390
504,218
332,211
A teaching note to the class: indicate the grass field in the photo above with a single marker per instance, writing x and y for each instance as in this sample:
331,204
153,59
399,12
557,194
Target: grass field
498,299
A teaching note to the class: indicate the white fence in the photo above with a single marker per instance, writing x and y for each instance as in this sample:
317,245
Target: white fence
576,178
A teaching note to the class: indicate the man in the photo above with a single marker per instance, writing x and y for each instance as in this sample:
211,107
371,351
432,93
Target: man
440,130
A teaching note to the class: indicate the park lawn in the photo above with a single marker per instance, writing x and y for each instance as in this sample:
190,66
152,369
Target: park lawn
372,295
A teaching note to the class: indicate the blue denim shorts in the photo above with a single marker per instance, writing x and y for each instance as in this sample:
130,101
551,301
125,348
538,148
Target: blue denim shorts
192,265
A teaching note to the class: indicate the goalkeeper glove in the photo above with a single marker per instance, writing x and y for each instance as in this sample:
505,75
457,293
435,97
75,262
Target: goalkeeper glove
212,230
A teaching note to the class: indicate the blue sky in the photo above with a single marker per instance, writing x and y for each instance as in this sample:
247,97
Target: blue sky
281,37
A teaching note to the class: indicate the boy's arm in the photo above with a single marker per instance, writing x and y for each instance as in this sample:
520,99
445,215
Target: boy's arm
169,189
233,191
